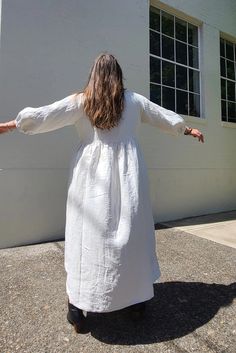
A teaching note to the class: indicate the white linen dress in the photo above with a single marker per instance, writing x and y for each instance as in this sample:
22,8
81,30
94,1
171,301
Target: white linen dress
110,257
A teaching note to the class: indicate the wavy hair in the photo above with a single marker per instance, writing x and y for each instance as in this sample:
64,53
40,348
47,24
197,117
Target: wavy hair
104,92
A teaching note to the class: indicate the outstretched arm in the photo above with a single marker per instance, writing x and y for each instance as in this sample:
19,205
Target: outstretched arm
166,120
29,120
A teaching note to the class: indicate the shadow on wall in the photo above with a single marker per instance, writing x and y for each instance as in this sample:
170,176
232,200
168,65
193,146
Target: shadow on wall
177,309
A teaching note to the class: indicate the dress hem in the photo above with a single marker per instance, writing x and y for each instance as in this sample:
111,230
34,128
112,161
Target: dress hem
86,309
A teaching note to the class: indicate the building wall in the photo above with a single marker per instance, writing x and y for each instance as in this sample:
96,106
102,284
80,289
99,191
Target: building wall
46,51
189,178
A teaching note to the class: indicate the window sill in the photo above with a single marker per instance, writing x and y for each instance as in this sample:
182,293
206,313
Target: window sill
228,124
194,119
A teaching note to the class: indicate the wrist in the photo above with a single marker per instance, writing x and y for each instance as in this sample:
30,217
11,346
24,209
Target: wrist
188,130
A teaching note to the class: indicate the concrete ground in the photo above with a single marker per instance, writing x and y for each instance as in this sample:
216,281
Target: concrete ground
219,227
193,309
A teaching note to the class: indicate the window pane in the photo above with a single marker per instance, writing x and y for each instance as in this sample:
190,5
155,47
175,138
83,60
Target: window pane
181,53
182,102
222,67
193,56
181,77
230,69
180,29
168,73
230,91
167,48
155,94
229,50
194,81
154,18
155,70
154,43
223,110
194,104
168,98
231,112
223,88
167,24
222,47
192,34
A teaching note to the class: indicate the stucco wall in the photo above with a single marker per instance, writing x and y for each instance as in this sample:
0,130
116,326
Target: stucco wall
46,51
188,178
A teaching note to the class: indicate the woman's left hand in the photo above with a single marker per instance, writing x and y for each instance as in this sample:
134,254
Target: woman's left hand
198,134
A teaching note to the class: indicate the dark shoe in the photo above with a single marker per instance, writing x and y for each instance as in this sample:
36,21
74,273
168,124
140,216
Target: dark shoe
76,318
137,311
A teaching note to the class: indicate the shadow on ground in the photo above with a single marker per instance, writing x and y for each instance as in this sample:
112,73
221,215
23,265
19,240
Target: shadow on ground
177,309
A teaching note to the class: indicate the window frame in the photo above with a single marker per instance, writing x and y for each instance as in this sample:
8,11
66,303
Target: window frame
179,15
232,40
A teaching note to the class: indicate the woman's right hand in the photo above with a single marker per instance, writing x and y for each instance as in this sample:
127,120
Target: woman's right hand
3,128
7,126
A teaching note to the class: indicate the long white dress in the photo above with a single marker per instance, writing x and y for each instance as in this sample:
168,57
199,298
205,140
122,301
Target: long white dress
110,257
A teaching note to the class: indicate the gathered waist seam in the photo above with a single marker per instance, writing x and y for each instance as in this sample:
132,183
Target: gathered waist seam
98,141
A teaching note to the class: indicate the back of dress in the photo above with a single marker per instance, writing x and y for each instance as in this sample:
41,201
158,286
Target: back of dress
125,130
110,256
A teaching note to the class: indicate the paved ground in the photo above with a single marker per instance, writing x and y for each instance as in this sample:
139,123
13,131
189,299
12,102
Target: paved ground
219,227
193,309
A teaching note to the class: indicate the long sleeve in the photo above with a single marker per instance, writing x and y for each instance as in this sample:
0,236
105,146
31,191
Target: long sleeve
64,112
165,119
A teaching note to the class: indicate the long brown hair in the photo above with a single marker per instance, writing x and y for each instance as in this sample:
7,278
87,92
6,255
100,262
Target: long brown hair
104,92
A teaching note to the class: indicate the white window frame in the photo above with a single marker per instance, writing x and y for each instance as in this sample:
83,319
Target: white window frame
225,37
176,13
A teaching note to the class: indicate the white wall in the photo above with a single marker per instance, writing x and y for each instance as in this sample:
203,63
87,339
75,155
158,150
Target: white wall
46,51
187,177
47,48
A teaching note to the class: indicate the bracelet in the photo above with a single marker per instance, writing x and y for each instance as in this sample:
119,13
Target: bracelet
188,132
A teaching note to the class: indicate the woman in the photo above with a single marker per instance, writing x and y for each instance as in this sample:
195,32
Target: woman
110,257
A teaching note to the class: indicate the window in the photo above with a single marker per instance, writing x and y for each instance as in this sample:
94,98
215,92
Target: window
228,80
174,63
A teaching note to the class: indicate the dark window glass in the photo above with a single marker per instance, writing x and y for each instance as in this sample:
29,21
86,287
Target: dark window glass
181,30
167,48
230,69
168,73
155,70
155,18
154,43
182,102
230,91
194,81
168,98
222,47
229,51
231,112
222,67
223,88
194,104
181,53
181,77
193,56
223,110
167,24
192,34
155,94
